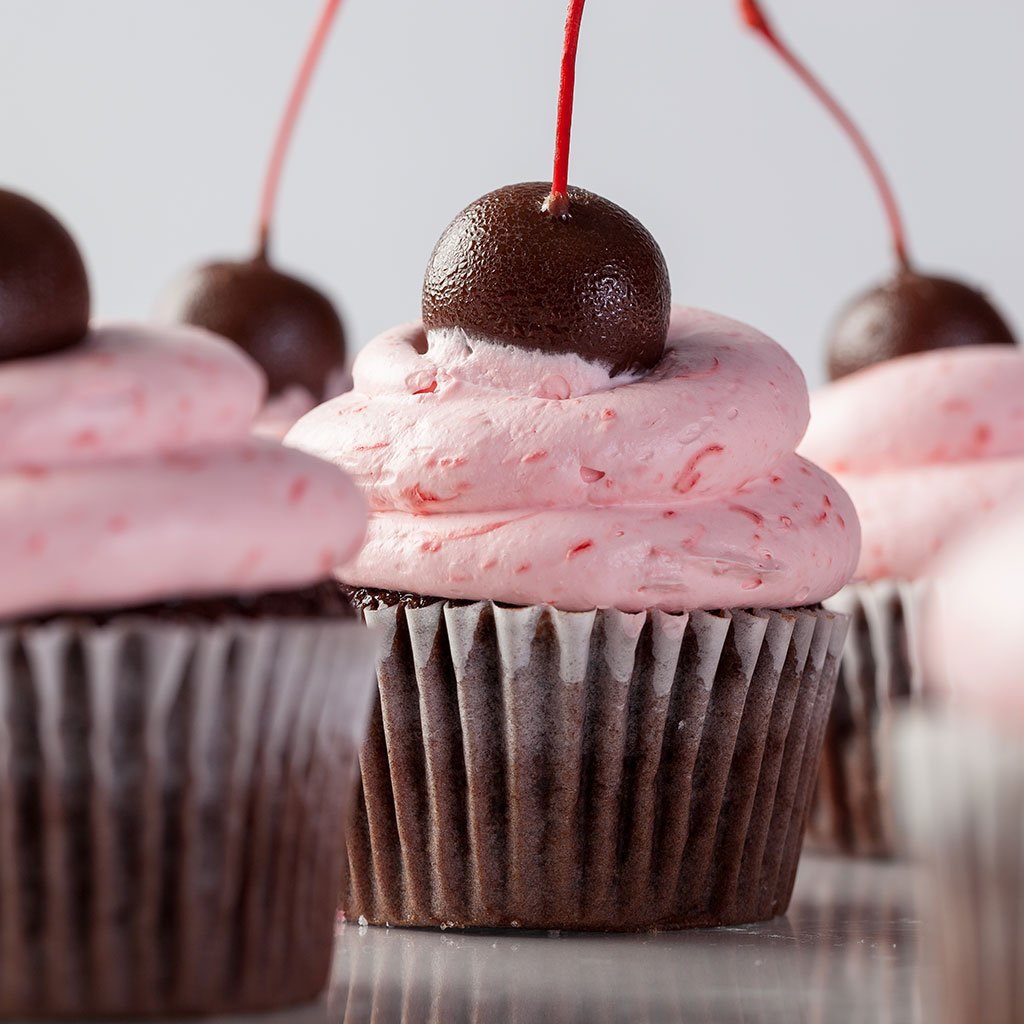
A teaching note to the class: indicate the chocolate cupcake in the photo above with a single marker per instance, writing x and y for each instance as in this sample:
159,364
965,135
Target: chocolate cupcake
918,424
961,777
927,446
597,563
182,693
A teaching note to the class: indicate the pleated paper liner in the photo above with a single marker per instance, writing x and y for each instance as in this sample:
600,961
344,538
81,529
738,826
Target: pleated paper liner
961,785
881,674
540,769
172,799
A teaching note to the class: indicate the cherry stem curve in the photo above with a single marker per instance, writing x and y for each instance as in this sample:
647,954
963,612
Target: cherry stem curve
286,127
753,15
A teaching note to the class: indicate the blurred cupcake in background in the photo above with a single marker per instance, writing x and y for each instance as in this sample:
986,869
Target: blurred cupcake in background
927,446
962,777
286,324
182,689
923,424
598,564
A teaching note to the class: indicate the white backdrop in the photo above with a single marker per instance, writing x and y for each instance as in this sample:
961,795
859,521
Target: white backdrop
145,123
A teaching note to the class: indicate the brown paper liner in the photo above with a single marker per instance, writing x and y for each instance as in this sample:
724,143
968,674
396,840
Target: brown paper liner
172,800
592,770
961,790
881,673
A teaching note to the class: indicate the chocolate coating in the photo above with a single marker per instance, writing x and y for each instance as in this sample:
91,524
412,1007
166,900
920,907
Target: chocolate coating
592,282
44,289
371,599
292,330
911,313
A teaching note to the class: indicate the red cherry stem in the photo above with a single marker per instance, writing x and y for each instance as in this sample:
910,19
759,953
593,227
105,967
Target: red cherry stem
286,128
557,202
754,16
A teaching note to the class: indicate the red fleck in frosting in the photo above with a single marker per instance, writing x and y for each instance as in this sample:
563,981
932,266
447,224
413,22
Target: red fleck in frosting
926,445
533,478
127,475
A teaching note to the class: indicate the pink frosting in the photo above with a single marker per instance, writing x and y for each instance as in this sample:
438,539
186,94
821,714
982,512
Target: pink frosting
127,390
127,475
496,473
926,445
973,639
281,412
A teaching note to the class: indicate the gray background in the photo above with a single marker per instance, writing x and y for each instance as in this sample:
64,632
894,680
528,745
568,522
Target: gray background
145,123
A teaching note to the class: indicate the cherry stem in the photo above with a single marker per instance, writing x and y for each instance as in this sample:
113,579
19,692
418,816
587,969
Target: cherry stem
557,203
755,18
286,128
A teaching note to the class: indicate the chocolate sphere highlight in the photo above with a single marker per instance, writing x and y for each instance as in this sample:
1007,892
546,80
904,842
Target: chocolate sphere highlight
912,313
292,330
44,289
592,281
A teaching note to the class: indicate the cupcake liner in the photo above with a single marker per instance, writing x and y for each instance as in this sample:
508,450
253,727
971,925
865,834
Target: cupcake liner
962,785
532,768
172,801
852,811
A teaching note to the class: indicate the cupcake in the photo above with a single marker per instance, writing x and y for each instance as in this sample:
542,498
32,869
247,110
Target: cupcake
921,424
962,776
927,445
285,323
597,564
182,694
606,673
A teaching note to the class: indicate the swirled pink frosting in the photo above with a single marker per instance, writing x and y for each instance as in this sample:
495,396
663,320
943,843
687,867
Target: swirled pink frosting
127,475
496,473
925,445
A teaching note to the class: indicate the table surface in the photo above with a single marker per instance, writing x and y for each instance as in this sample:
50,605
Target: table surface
847,952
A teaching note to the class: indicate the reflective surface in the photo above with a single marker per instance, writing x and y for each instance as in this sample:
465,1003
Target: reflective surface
847,952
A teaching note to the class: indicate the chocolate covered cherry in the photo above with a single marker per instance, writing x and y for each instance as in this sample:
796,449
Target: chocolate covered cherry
44,290
911,313
291,329
589,280
552,268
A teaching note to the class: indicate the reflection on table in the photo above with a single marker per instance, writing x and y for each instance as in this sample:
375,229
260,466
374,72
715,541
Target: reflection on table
847,952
